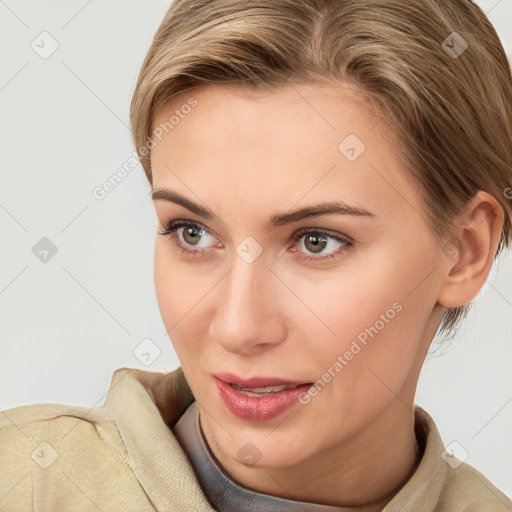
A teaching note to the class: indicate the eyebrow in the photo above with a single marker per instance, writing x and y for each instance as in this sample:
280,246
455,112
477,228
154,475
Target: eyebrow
163,194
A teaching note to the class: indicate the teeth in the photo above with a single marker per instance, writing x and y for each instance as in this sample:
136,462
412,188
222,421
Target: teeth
260,391
266,389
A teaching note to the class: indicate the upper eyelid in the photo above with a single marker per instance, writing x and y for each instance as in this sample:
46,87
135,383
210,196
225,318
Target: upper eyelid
303,231
173,223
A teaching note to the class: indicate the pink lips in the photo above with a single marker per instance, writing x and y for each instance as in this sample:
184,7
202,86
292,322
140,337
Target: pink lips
254,408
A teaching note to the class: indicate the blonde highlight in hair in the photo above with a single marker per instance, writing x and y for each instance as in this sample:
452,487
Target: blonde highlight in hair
453,115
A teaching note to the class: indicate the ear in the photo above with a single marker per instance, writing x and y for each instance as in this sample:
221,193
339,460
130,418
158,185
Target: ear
469,255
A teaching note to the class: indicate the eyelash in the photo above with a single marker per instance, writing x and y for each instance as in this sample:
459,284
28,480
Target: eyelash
171,231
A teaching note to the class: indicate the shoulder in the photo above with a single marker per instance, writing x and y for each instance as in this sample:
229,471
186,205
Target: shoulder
442,482
455,485
467,490
22,426
119,456
53,454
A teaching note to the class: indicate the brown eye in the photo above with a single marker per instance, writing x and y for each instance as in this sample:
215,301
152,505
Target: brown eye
314,243
323,244
186,235
191,235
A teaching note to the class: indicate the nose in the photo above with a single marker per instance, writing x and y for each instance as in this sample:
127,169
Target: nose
248,317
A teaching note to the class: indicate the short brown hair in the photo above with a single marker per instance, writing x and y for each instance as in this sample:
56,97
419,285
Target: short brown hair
436,68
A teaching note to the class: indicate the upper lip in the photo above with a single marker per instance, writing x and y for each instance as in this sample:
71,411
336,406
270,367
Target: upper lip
257,382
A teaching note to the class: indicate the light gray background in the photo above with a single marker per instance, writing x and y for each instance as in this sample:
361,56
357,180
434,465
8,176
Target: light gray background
67,324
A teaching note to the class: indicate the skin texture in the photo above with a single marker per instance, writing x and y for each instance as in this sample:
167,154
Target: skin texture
248,158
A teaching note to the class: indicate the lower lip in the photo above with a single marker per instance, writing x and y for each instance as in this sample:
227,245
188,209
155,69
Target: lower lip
254,408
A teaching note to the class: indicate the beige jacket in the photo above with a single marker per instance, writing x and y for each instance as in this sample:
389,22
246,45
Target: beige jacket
123,457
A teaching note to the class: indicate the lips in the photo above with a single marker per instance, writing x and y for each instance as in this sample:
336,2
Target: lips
258,398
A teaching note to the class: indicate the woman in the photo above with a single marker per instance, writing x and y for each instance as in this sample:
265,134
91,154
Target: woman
331,181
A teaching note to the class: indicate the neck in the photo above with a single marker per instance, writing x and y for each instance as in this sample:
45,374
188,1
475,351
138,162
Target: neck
363,473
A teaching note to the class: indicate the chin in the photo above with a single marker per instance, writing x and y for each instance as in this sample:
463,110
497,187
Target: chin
266,453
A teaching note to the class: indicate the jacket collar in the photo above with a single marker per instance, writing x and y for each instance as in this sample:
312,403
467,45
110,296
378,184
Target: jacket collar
143,405
146,404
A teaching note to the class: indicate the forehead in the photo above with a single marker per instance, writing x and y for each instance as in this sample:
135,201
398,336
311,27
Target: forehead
307,141
316,106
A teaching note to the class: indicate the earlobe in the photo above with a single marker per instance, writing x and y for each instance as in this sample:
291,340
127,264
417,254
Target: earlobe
468,257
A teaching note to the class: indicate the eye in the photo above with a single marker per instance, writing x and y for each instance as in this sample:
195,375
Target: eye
186,234
192,238
317,242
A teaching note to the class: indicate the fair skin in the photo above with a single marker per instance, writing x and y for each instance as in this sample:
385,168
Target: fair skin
247,159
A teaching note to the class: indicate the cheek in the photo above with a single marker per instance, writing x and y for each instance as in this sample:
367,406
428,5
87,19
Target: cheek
179,294
177,290
173,295
166,283
371,313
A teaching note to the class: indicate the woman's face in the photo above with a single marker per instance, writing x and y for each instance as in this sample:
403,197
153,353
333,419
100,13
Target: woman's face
255,282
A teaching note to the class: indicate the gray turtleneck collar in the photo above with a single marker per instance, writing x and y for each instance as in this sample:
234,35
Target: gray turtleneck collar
222,491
